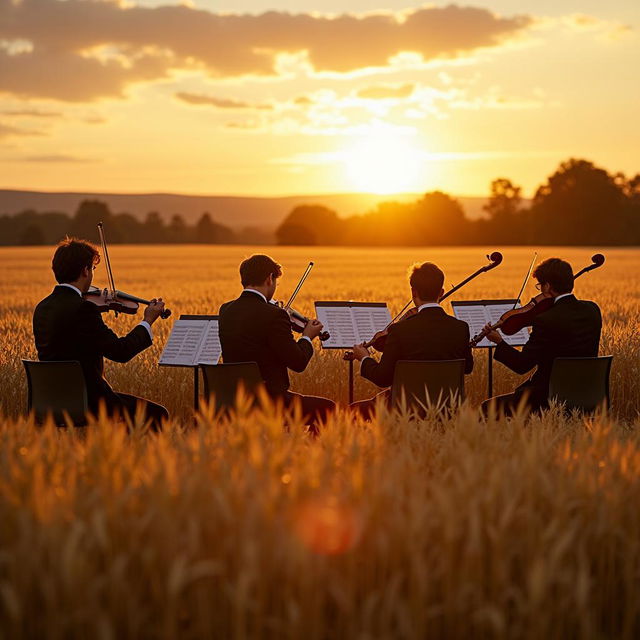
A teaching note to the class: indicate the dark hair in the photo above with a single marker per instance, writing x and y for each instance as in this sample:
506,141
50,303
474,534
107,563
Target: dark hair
426,280
71,257
558,273
257,268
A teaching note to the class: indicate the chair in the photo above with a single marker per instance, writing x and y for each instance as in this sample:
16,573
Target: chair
222,381
57,388
581,383
425,382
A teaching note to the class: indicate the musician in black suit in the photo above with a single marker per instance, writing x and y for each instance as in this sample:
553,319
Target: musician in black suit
68,327
252,329
429,334
570,328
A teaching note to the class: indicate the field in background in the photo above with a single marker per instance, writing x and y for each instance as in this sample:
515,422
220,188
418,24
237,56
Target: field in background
199,279
400,528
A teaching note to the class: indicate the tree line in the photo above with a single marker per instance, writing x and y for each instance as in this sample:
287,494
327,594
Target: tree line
580,204
34,228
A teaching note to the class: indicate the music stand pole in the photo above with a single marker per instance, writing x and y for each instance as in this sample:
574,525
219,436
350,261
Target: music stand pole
490,373
196,388
350,381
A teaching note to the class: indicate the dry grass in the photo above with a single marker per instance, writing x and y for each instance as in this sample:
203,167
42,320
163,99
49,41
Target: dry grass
401,528
398,529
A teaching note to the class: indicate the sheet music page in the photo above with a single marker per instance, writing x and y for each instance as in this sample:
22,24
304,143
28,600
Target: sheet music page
339,322
368,320
476,317
184,342
210,348
517,339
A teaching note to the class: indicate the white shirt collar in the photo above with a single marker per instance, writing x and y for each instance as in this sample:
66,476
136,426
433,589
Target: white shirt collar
66,284
562,295
428,305
258,292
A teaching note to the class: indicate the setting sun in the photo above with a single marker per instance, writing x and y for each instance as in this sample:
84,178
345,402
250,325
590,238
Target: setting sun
384,163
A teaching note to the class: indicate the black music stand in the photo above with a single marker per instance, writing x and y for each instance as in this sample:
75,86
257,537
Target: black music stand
351,323
190,346
477,313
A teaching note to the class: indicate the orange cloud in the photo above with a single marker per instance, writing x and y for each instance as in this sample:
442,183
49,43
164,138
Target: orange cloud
31,113
81,50
383,92
60,157
221,103
7,131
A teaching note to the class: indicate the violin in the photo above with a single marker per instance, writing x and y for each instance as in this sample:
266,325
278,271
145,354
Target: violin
380,337
298,320
111,299
514,320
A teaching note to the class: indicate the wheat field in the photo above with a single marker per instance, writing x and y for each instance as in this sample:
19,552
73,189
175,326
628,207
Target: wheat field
447,526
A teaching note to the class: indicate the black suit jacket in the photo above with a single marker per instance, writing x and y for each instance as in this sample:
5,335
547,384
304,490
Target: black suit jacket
570,328
252,330
67,327
431,334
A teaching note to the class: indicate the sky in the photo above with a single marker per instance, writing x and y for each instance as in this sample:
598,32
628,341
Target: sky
268,97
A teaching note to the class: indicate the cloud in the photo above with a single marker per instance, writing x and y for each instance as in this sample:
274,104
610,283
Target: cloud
80,50
221,103
604,29
31,113
7,131
383,92
57,158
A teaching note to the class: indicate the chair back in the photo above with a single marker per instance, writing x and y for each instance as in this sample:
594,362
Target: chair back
221,381
57,388
581,383
425,382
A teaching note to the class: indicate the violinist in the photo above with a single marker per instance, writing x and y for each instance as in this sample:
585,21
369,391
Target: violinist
253,330
569,328
68,327
427,334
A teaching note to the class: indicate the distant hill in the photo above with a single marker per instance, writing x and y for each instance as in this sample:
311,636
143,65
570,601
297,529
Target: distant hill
234,211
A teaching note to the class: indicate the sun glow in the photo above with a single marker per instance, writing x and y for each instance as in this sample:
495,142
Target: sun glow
384,163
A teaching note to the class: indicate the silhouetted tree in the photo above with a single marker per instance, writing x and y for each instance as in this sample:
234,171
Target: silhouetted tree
505,223
85,222
310,224
129,228
580,204
177,231
32,235
295,234
153,228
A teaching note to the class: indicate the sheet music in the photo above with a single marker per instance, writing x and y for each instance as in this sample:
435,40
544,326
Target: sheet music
350,323
184,342
478,314
210,348
368,320
339,322
192,341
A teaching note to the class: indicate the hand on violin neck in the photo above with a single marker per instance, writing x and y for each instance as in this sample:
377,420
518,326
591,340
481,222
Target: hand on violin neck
154,310
312,329
360,352
492,334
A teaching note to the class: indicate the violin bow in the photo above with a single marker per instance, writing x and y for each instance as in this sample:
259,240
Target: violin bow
305,275
479,336
107,262
526,279
112,285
